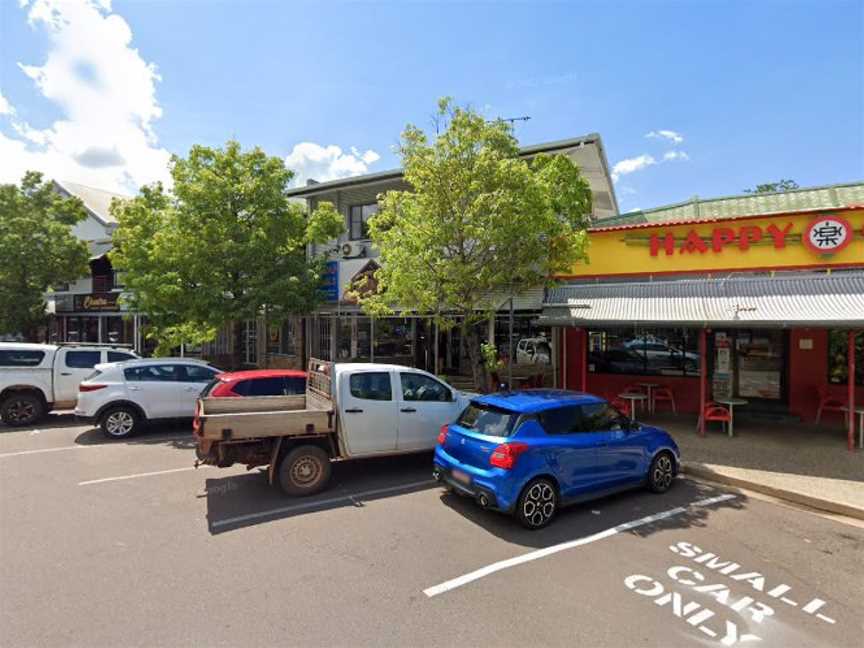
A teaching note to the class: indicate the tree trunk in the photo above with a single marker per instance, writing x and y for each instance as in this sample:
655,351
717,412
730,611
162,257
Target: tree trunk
472,339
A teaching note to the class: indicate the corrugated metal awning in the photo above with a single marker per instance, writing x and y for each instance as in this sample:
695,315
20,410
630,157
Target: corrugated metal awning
826,300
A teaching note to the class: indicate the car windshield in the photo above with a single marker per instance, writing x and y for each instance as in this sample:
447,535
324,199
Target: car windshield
488,420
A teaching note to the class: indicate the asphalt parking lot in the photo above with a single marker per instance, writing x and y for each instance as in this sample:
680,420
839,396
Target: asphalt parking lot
126,544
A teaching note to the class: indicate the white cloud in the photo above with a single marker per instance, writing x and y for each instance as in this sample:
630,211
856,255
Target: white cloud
312,161
5,107
630,165
106,93
672,136
675,155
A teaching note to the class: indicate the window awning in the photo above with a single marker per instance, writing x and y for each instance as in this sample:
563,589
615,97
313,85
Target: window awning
833,300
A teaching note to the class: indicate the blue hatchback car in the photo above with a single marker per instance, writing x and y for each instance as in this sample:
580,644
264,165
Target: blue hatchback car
530,452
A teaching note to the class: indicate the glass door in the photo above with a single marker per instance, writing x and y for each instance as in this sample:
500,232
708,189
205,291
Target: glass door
760,365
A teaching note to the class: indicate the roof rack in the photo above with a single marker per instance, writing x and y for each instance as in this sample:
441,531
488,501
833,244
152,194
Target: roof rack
107,345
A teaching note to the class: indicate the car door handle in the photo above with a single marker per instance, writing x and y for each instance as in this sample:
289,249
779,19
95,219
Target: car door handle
407,409
354,410
192,389
134,388
65,373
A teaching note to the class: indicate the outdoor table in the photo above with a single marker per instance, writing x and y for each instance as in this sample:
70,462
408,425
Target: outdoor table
860,412
649,387
633,397
731,403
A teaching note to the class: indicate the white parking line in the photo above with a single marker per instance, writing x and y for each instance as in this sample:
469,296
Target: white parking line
548,551
137,475
333,500
29,452
107,444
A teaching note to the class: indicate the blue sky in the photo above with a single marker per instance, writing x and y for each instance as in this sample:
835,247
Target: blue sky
745,92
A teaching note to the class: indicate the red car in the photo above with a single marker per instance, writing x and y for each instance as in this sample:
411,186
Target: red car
256,382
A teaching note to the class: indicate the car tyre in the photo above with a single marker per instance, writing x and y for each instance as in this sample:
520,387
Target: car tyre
538,504
661,473
304,471
119,422
22,409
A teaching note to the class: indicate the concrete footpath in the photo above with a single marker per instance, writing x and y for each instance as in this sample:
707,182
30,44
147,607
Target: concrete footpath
800,463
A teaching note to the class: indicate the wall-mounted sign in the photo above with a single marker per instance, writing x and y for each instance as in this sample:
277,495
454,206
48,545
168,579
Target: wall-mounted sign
795,240
330,282
97,302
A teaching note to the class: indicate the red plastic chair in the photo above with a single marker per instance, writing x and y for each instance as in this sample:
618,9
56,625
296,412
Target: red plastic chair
664,395
716,412
828,403
620,404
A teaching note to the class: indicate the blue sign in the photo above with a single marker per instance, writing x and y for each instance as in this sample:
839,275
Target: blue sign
330,282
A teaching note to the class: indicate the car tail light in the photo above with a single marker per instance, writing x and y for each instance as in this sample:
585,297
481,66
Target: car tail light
442,435
88,388
196,422
505,455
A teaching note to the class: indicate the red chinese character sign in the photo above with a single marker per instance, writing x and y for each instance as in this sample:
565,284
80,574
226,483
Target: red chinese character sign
828,234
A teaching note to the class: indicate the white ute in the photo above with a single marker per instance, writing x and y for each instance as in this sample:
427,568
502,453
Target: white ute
36,378
349,411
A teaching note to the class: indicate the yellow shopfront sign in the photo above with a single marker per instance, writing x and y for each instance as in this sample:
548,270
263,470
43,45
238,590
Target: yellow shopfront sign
824,239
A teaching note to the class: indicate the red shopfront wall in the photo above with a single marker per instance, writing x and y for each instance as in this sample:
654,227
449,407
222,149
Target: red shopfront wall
807,371
686,390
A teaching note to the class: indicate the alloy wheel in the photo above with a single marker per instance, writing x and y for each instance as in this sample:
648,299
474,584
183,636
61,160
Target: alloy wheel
663,472
538,506
119,423
21,411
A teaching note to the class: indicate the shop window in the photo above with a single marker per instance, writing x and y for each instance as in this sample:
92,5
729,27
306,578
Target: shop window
394,340
532,345
644,352
358,220
282,338
838,358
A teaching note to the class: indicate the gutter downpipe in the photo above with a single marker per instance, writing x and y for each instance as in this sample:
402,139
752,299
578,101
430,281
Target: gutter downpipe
703,377
850,440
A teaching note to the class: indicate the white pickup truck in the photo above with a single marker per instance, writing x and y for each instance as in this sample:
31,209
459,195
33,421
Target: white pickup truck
36,378
348,411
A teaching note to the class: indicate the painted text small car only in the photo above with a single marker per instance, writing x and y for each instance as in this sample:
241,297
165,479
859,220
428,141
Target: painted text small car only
529,453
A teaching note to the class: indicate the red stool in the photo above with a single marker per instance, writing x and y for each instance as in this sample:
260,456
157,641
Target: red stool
621,405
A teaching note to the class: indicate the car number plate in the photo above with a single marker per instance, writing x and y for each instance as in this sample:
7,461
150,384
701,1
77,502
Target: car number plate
460,476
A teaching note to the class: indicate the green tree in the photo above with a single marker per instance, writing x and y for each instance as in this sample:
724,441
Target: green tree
480,223
37,249
773,187
226,245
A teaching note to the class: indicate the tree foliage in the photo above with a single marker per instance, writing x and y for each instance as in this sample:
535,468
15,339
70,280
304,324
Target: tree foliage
480,223
773,187
225,245
37,249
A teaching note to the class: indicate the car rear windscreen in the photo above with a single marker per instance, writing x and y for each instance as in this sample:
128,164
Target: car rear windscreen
489,420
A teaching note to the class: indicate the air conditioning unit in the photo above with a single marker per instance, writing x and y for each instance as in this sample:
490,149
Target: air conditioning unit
353,250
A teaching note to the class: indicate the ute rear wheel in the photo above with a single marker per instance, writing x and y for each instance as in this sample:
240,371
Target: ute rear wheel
304,471
22,408
538,504
661,473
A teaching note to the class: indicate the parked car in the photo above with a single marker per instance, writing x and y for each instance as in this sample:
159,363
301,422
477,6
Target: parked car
122,397
37,378
256,382
529,453
534,351
348,411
